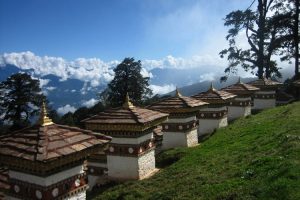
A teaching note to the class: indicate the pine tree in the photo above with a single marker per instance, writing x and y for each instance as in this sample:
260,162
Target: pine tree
288,16
20,99
264,36
128,78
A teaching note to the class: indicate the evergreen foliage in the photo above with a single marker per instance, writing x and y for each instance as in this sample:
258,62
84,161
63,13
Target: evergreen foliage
267,32
67,119
74,119
20,99
287,12
128,78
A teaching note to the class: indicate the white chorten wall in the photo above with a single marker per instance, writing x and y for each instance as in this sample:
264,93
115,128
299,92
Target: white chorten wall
180,132
264,99
235,112
217,118
93,176
126,168
180,139
51,186
241,107
46,181
207,126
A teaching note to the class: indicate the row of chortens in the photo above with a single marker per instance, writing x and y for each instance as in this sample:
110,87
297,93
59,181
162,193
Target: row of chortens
51,161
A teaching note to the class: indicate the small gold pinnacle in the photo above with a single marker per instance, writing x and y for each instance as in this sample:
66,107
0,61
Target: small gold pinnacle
178,93
127,104
211,88
44,119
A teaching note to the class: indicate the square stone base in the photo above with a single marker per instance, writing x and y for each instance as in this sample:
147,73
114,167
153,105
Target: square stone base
180,139
260,104
207,126
122,168
235,112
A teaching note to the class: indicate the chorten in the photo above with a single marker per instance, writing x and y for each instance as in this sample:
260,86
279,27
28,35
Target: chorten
131,152
181,128
266,96
215,115
241,105
46,160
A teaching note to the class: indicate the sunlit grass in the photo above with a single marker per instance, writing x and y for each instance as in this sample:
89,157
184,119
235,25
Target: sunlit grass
253,158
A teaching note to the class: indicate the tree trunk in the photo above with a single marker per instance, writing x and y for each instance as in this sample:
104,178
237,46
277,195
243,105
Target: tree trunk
296,39
260,33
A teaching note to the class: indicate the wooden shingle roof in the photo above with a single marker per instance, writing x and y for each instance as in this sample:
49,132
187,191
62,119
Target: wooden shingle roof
133,115
178,104
45,143
241,88
214,96
126,117
265,83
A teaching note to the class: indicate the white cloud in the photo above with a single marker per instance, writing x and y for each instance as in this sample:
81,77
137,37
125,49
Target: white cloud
95,72
65,109
51,88
90,103
207,77
196,61
85,88
156,89
92,70
44,82
146,73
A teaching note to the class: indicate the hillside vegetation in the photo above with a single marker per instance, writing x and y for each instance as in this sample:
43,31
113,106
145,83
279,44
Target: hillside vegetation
253,158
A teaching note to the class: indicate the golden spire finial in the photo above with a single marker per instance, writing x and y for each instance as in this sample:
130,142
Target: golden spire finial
44,119
239,81
211,88
178,93
127,103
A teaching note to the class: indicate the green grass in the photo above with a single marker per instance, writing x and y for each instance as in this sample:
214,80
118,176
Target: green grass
253,158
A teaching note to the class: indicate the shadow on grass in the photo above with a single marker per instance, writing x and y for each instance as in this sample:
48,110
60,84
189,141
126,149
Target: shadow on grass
167,158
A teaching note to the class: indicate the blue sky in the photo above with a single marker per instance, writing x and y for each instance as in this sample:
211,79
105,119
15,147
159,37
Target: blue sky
86,39
114,29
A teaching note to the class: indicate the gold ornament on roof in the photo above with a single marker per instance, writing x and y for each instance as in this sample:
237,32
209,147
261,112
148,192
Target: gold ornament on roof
44,119
127,104
211,88
178,93
239,81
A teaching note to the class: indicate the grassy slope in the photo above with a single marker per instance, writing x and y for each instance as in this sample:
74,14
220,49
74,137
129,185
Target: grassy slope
253,158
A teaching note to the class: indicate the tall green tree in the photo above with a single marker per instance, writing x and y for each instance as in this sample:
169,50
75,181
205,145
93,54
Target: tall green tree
263,37
128,78
67,119
20,99
287,12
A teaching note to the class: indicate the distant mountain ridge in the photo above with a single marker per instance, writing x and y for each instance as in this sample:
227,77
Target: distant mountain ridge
74,93
71,92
